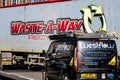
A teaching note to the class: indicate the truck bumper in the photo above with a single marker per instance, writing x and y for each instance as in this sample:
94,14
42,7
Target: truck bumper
97,76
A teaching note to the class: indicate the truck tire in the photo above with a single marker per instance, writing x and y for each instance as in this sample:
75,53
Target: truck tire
1,67
28,67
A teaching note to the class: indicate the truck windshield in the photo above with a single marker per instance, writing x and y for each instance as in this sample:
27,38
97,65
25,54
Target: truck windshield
61,48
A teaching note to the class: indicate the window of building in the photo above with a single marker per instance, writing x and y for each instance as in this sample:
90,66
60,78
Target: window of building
12,2
35,0
47,0
4,2
24,1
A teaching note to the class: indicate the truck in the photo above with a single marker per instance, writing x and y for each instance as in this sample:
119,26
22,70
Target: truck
21,60
81,56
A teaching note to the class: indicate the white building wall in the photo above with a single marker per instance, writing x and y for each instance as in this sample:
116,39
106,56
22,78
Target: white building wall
53,11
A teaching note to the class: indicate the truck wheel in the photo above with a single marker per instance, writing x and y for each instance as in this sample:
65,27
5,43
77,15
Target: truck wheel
65,77
28,67
1,67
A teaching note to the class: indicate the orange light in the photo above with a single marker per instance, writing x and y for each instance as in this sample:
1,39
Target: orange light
83,62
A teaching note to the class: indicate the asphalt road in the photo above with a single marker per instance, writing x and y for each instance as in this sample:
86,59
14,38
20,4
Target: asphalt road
21,75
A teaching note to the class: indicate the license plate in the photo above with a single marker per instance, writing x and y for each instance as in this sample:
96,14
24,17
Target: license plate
88,75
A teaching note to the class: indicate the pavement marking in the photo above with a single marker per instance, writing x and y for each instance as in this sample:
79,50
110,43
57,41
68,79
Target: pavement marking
5,72
21,76
16,75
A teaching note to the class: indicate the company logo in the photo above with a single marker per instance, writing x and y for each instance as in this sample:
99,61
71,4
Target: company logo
62,25
32,29
87,17
97,45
